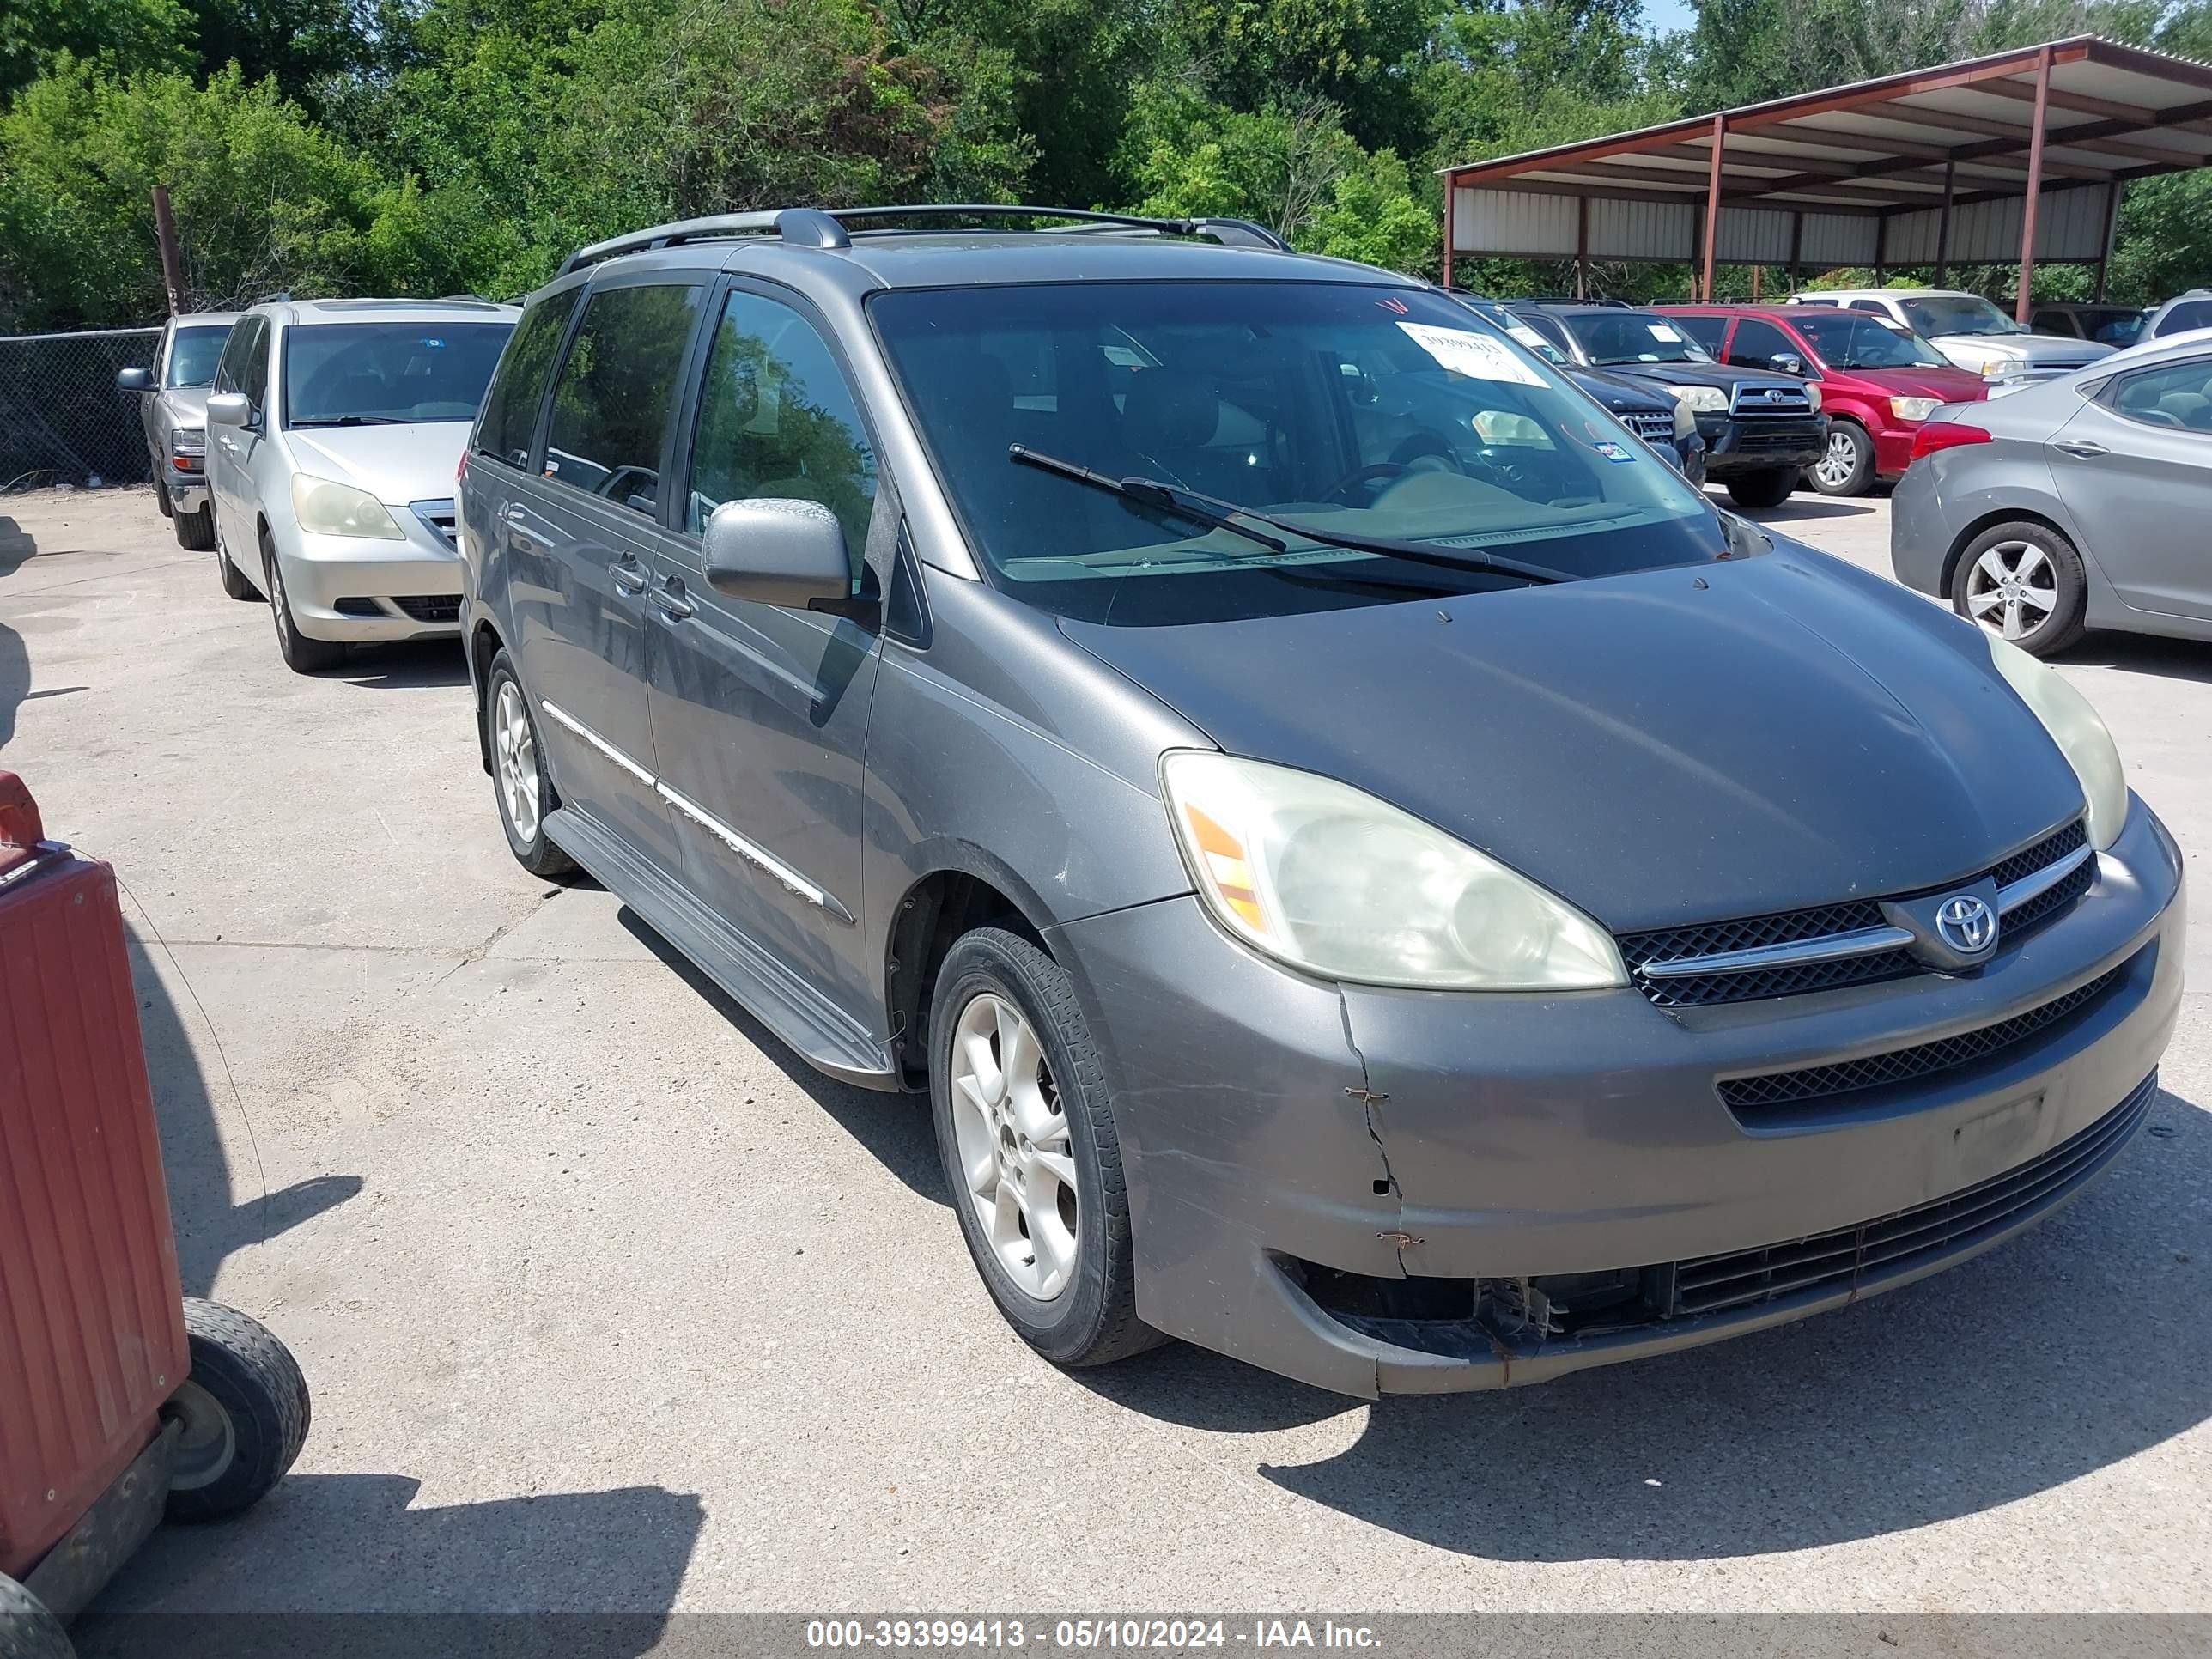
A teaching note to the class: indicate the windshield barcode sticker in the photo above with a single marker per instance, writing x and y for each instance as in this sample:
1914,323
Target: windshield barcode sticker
1478,356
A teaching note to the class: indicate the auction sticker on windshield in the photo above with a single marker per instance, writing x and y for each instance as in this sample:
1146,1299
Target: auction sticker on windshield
1478,356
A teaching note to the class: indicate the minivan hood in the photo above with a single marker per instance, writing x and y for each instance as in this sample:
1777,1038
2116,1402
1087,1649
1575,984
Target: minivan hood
395,464
1676,745
2032,350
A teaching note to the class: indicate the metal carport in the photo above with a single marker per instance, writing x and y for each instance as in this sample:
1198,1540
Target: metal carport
2021,155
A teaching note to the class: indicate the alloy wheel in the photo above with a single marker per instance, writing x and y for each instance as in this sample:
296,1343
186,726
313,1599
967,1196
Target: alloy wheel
2012,589
514,748
1839,462
1016,1161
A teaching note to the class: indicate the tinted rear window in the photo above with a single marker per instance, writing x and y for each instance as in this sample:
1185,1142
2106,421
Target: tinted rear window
510,412
616,394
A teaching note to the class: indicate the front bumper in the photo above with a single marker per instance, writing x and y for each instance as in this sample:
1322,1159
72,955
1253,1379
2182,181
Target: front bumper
1284,1139
188,491
1737,444
353,589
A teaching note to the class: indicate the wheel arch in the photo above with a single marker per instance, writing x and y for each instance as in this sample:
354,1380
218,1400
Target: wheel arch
484,644
968,890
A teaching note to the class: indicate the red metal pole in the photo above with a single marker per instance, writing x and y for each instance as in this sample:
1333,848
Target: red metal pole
1713,203
2022,302
1452,189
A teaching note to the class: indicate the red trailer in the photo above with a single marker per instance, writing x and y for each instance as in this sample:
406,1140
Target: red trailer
121,1400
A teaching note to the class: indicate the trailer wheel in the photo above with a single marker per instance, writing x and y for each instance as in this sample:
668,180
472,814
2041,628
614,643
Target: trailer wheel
243,1413
27,1629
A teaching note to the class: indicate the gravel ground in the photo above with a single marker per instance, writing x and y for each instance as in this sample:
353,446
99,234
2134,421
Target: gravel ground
609,1305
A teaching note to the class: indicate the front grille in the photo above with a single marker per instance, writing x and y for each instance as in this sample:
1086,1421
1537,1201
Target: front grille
1758,437
1746,1096
1738,1279
1794,926
1771,400
431,607
439,517
1652,427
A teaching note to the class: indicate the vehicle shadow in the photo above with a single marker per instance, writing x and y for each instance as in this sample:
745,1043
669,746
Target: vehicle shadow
586,1575
16,546
2076,1346
1798,508
894,1129
403,667
2142,654
213,1218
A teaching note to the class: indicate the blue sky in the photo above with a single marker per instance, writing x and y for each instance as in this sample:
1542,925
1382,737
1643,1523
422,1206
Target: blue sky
1664,17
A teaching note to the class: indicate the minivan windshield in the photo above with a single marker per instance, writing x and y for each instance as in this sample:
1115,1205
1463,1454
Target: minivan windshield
1342,410
193,353
388,374
1614,337
1957,313
1851,339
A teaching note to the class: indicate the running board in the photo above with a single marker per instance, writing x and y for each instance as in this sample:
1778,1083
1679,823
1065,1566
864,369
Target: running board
825,1037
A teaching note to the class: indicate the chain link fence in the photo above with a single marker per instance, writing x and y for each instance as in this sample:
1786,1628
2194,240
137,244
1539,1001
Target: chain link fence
62,421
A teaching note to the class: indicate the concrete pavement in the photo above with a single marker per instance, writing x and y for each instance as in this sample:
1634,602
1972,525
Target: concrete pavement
608,1304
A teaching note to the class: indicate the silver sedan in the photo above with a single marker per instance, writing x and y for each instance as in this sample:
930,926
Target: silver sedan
2079,503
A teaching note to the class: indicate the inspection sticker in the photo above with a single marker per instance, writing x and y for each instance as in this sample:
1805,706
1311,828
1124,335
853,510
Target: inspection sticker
1612,451
1478,356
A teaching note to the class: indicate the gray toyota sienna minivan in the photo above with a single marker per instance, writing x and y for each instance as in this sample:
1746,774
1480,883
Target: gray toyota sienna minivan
1377,875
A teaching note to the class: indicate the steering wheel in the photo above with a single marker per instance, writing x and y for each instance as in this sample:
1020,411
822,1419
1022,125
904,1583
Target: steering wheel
1406,458
1364,475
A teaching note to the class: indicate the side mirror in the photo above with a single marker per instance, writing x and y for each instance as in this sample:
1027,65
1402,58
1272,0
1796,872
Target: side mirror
787,553
230,409
134,379
1786,362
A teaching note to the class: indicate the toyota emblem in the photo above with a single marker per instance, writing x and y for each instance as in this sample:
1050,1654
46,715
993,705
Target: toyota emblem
1967,924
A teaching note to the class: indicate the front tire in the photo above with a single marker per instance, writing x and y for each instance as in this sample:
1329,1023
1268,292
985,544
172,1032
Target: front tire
1028,1141
2024,582
1847,467
1761,490
195,530
301,654
243,1413
524,793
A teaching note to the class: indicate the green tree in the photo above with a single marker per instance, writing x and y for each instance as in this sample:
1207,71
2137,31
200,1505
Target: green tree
120,34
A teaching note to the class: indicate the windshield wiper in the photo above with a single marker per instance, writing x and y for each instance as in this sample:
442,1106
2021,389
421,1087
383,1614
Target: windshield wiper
348,420
1201,508
1158,496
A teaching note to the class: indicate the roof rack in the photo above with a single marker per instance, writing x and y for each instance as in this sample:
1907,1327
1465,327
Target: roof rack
825,227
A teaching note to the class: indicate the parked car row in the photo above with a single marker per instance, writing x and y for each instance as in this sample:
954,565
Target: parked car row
1373,871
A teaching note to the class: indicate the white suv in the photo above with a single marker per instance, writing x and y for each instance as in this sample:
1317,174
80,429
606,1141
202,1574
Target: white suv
1968,330
334,431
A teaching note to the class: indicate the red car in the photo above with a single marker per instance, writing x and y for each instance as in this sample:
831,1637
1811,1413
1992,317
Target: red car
1878,381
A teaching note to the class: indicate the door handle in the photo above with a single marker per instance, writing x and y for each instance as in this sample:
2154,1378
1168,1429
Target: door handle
628,576
516,513
2080,448
669,600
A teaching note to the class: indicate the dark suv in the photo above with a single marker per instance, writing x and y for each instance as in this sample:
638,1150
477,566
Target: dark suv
1762,428
1373,873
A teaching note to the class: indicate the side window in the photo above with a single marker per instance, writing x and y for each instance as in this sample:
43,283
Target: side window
1550,331
616,397
2053,322
518,385
777,421
1875,305
1707,330
253,374
2175,396
1758,343
230,368
2193,313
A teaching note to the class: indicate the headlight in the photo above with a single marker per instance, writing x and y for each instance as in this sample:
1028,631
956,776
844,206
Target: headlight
329,508
188,440
1913,409
1813,395
1706,400
1684,422
2075,728
1994,368
1320,876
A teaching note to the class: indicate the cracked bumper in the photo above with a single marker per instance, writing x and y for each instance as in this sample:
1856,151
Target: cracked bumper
1267,1120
